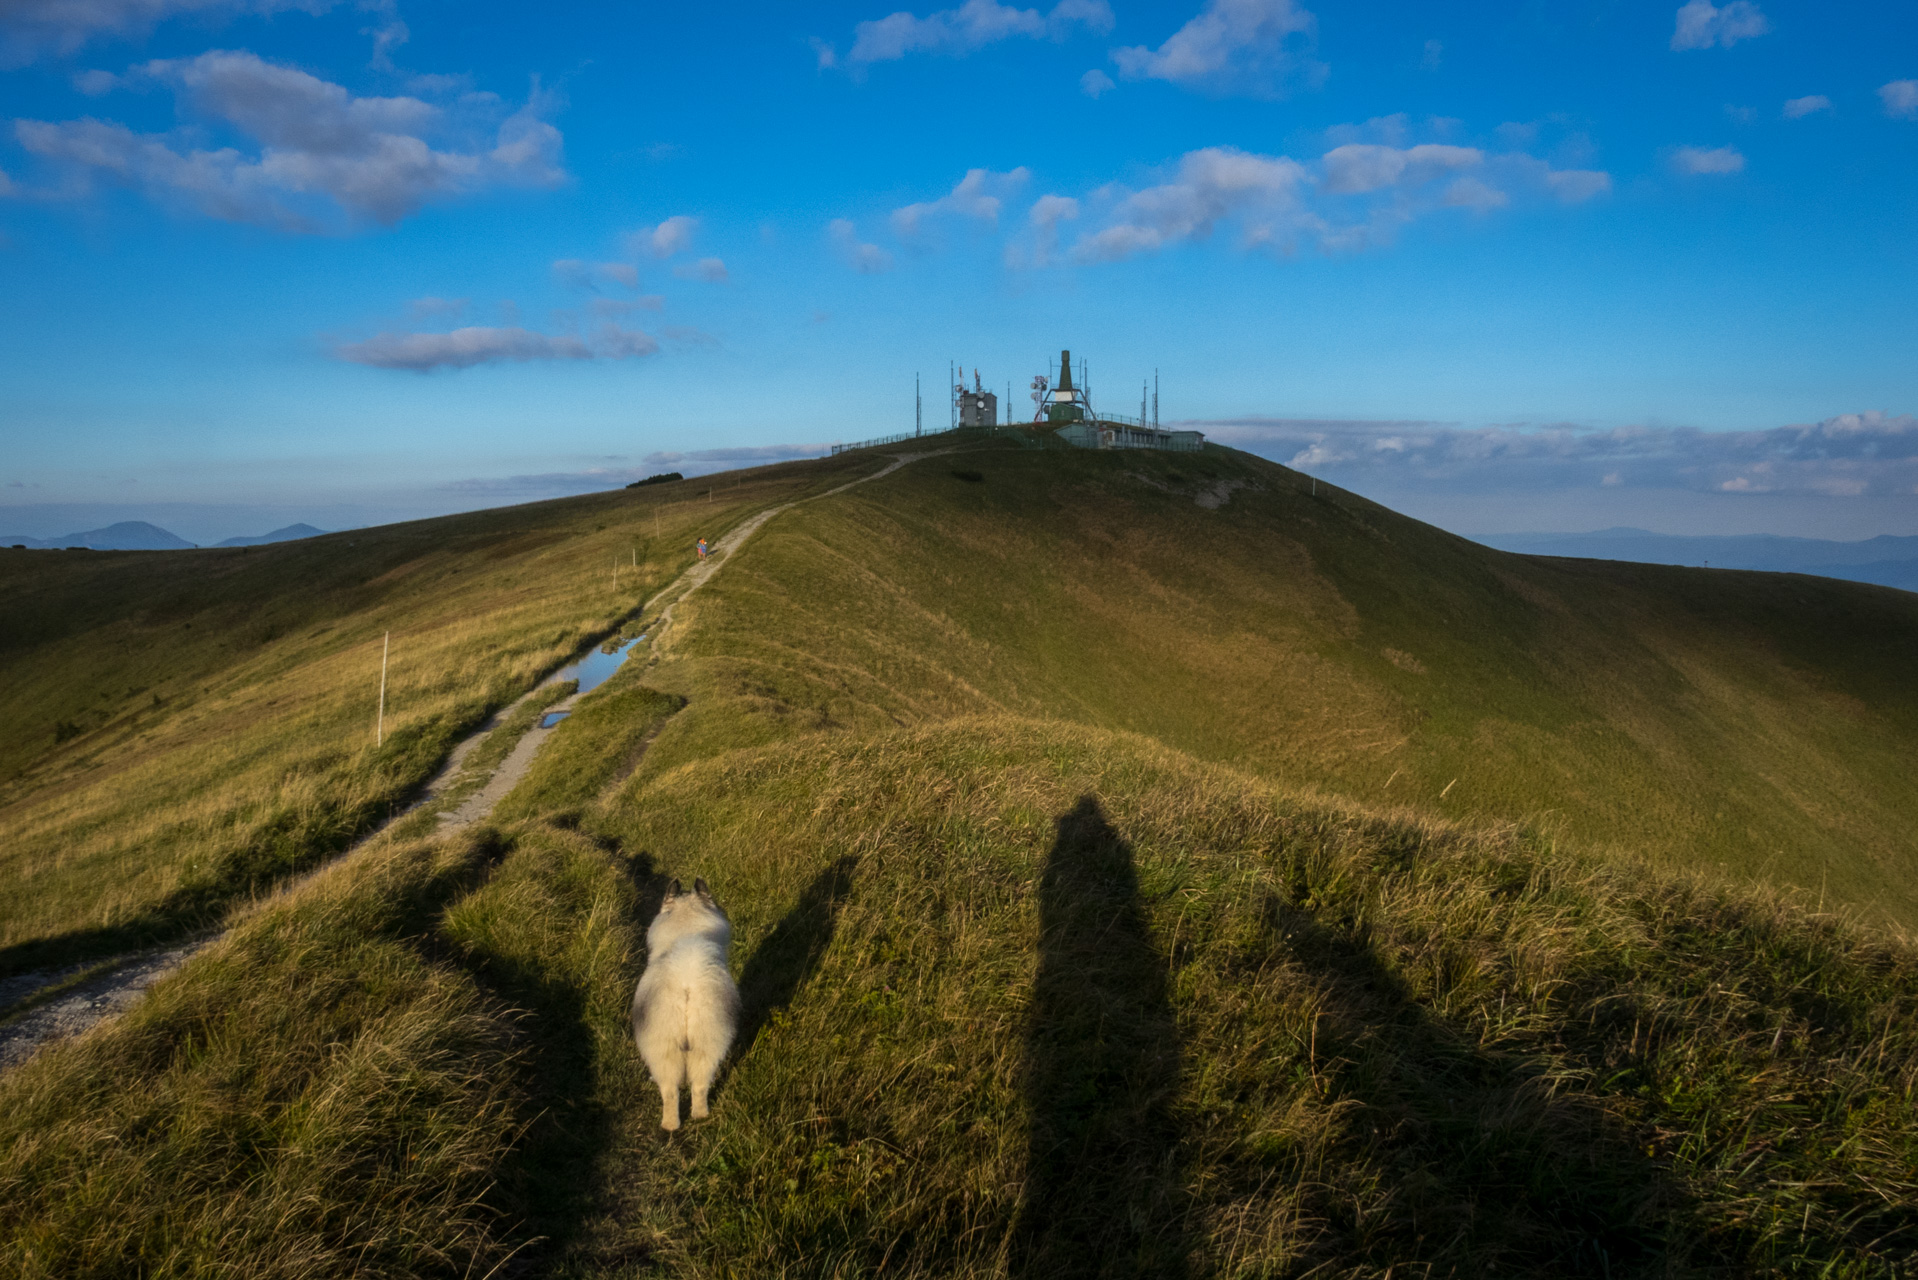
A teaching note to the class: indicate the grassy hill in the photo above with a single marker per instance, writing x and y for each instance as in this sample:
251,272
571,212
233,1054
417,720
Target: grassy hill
186,728
1140,865
1763,724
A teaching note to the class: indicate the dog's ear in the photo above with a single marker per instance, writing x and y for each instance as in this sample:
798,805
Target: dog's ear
676,890
701,888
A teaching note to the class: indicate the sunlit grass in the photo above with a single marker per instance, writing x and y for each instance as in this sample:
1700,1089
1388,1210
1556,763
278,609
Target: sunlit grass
1755,724
1120,886
1272,1034
245,746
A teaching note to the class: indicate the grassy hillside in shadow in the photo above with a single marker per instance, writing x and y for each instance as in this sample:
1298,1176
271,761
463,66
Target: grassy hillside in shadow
1760,724
186,727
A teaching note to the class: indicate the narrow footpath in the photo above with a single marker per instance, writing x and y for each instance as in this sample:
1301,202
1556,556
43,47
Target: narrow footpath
118,989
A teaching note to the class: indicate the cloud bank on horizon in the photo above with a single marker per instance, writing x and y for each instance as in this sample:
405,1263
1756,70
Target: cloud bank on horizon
1463,216
1850,455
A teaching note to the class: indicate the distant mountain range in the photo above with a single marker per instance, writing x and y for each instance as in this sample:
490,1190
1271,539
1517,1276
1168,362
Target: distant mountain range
138,535
1886,560
288,534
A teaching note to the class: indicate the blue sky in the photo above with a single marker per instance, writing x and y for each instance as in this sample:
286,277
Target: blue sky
1539,266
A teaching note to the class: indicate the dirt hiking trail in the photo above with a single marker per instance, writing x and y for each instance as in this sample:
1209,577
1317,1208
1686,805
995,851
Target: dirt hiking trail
126,980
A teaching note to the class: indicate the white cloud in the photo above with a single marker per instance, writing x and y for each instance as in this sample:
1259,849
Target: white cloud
626,306
95,83
1470,193
1360,167
1850,455
1049,211
615,343
1900,98
866,259
422,308
956,32
1699,160
323,155
1434,55
475,345
1799,108
1702,24
695,462
1095,82
1357,195
1232,46
585,275
1046,214
973,197
1575,186
702,461
29,28
1392,130
1211,184
675,235
388,36
710,270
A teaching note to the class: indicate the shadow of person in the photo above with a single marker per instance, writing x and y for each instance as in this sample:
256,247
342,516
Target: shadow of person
1491,1165
1104,1191
786,958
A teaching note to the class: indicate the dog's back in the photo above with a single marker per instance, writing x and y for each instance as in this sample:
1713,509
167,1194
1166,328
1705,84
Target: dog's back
686,1008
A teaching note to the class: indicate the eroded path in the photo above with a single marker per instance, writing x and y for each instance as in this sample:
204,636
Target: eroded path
120,987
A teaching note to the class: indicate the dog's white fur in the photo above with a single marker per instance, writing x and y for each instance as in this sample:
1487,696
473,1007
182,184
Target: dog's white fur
686,1008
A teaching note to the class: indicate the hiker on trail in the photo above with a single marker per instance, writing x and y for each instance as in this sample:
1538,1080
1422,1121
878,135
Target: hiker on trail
701,548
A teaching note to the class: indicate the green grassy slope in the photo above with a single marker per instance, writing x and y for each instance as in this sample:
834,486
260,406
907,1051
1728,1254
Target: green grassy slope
185,727
1101,909
1758,723
1020,999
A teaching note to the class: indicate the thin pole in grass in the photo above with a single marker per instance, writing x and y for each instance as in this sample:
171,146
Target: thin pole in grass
379,725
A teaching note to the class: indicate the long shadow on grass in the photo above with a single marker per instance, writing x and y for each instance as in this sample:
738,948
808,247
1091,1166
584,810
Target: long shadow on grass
551,1187
1105,1193
786,958
1453,1159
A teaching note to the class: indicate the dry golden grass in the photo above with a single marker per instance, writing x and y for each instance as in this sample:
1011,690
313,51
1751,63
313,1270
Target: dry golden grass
1756,724
243,746
1029,999
387,1072
1058,955
1020,999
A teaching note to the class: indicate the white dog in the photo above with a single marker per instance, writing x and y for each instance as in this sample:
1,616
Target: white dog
686,1008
